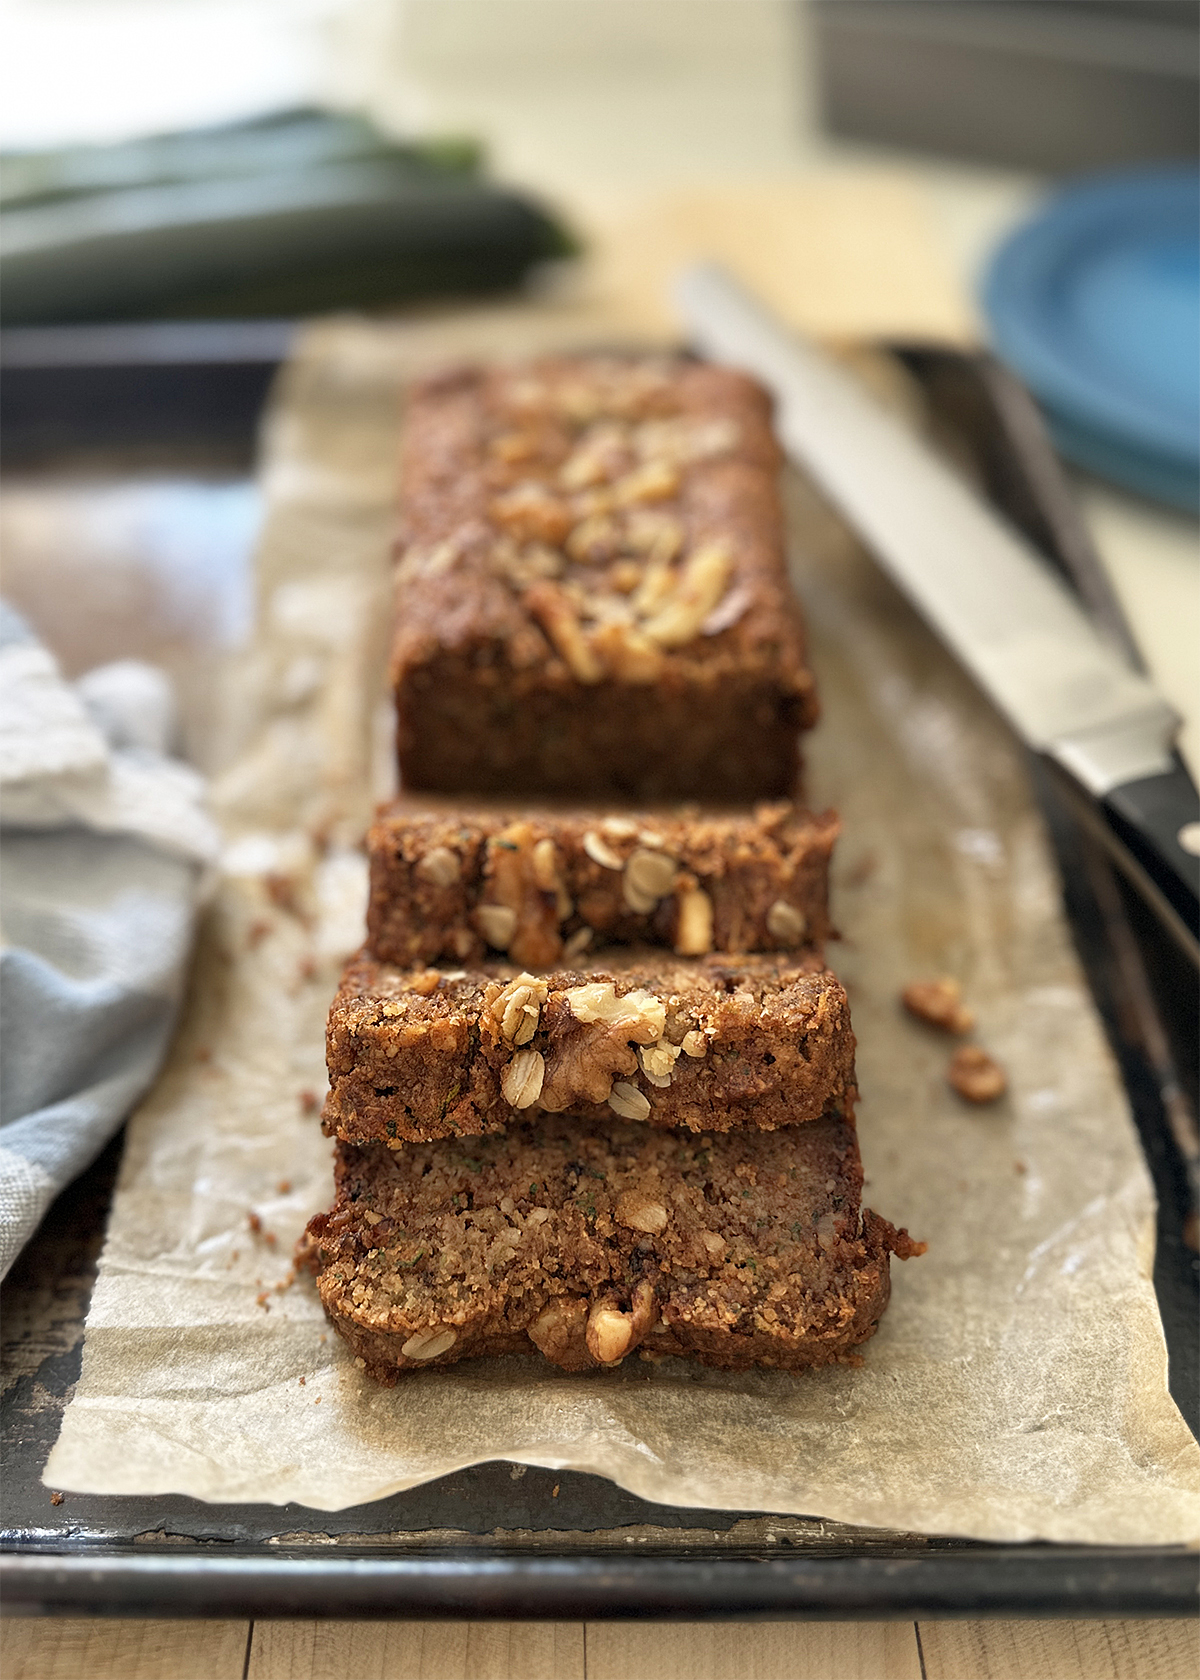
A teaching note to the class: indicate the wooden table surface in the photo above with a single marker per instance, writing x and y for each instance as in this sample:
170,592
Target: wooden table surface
68,1649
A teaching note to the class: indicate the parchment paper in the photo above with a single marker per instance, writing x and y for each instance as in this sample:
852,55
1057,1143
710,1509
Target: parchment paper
1016,1388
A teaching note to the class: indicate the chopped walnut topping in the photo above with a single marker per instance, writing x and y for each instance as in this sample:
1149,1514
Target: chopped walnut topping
609,1332
639,1212
712,437
532,514
694,926
627,1101
939,1004
684,440
659,536
630,656
511,869
618,828
975,1076
441,867
523,1078
700,586
601,852
545,865
583,1066
655,587
658,1062
559,1329
625,576
540,561
589,504
524,566
726,614
554,612
601,455
546,874
639,1014
595,539
786,923
597,606
694,1044
653,481
497,923
516,1007
649,877
424,983
601,509
427,1344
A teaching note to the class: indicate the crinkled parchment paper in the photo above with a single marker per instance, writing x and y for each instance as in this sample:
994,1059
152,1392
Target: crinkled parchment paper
1016,1387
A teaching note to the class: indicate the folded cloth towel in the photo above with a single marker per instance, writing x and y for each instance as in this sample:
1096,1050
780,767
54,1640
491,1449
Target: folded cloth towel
104,849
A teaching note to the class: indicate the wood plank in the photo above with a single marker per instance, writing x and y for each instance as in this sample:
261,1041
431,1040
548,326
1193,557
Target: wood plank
416,1651
102,1648
1166,1650
753,1651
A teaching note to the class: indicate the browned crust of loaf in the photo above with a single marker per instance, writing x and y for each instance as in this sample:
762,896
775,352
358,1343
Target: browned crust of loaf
765,873
737,1250
418,1056
491,698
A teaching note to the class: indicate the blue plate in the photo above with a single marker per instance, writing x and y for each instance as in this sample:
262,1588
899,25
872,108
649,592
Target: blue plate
1096,304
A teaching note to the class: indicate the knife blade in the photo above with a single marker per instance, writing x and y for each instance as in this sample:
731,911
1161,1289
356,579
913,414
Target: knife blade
1066,690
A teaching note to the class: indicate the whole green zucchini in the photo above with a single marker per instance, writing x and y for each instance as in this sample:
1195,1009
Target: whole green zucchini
277,218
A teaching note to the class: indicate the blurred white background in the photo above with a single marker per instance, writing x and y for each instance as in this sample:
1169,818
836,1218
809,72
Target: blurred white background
581,98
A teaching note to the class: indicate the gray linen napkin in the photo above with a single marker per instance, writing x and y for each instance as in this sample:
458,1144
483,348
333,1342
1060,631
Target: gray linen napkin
104,847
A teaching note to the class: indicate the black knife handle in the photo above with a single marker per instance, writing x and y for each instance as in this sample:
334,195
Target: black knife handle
1149,818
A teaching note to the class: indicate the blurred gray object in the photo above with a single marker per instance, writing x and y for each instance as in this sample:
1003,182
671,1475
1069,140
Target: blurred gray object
1050,85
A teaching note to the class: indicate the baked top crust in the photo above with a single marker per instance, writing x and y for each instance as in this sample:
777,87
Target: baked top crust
605,516
591,587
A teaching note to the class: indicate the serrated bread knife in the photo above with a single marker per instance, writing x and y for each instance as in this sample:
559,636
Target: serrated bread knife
984,588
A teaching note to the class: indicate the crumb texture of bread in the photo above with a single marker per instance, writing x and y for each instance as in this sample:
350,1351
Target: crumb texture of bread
738,1250
462,883
591,587
708,1046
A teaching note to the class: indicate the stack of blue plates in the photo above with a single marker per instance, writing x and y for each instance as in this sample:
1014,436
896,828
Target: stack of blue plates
1096,304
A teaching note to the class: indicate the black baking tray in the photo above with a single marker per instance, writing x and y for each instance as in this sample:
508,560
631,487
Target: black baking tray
500,1540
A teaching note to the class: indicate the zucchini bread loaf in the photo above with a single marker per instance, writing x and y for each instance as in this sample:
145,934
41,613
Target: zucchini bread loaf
756,1042
743,1249
592,595
456,883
